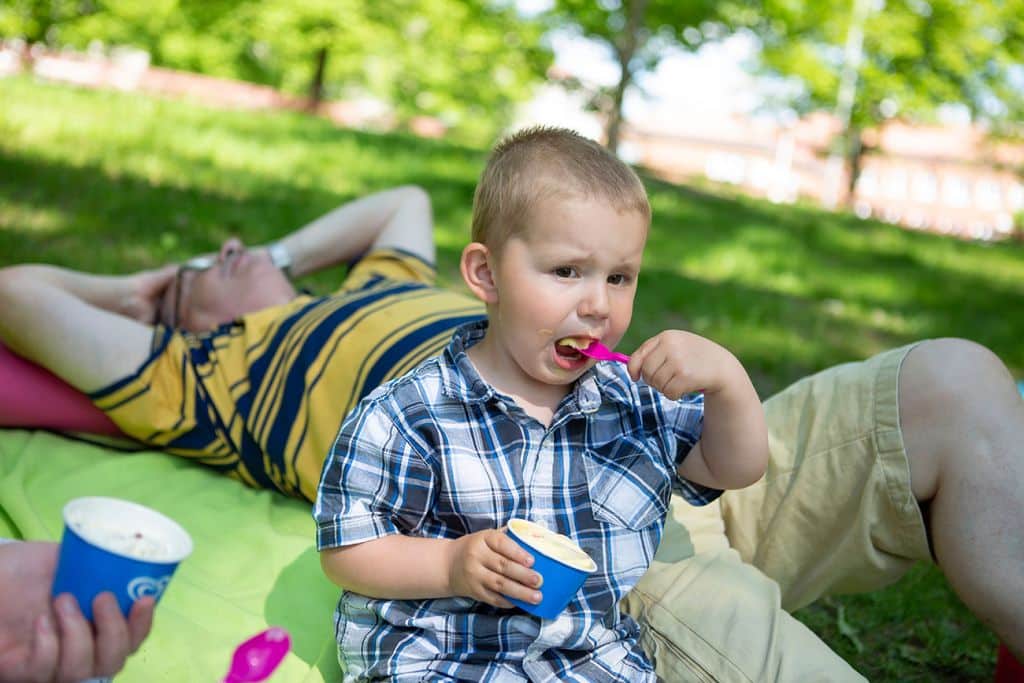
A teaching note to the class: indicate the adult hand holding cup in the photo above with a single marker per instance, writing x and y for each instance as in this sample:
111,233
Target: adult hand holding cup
118,546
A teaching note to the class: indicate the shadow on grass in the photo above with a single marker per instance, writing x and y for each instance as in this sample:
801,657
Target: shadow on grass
122,223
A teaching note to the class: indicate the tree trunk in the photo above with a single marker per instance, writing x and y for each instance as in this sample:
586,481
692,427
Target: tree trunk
316,88
625,53
854,162
614,125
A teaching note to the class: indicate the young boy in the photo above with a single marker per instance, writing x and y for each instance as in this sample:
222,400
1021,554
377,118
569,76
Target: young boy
512,421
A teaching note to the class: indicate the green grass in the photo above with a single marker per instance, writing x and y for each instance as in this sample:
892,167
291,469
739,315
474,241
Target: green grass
118,182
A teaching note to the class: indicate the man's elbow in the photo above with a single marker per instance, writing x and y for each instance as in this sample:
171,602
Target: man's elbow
416,198
10,276
17,287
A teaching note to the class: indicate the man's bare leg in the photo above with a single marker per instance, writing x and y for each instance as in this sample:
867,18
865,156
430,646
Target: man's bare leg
963,429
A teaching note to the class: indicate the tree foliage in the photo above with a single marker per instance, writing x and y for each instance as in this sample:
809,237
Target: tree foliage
467,62
35,20
917,56
637,32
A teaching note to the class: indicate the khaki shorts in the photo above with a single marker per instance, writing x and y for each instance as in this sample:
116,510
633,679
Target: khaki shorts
833,514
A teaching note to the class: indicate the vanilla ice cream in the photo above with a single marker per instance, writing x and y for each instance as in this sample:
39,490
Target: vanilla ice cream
552,544
128,529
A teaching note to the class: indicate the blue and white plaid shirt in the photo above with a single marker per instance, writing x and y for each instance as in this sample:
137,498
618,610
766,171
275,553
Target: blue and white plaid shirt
439,453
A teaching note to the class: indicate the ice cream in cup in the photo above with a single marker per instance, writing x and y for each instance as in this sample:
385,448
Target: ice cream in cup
562,564
118,546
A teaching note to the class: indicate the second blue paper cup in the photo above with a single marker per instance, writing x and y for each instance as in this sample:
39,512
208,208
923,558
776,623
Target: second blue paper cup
118,546
562,564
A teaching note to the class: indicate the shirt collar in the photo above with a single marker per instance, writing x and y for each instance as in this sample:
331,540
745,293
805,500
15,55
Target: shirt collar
459,376
461,380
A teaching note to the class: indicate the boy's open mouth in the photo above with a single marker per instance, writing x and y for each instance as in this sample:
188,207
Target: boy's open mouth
568,347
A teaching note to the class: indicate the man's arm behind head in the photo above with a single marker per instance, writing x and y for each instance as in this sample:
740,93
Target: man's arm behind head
53,317
398,218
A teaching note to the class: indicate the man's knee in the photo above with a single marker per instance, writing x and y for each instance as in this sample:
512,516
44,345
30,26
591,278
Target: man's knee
954,396
948,368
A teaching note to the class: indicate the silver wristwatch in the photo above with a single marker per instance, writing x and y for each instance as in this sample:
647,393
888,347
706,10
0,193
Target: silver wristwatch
280,257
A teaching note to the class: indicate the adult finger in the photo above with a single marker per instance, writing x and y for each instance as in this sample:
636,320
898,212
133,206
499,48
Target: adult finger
140,621
42,661
112,638
76,646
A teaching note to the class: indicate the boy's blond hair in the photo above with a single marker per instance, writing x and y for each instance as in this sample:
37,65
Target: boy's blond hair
543,162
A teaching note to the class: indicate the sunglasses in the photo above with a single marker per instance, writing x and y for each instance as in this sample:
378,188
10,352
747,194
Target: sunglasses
193,265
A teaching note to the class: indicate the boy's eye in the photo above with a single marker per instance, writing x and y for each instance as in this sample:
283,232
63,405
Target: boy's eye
618,279
564,271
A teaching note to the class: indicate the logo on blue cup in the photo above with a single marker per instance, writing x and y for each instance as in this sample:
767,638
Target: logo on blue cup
143,586
118,546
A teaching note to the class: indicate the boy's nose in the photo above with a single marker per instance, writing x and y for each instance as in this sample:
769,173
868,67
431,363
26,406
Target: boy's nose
595,303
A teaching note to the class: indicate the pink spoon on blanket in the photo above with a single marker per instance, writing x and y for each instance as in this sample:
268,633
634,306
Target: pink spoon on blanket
599,351
255,659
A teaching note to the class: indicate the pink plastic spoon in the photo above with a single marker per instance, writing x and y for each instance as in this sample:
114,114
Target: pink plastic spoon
255,659
599,351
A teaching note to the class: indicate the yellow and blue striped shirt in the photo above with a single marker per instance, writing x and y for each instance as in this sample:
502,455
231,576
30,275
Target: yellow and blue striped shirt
261,399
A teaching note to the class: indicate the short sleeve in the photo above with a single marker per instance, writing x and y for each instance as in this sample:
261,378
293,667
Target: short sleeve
373,482
683,424
160,403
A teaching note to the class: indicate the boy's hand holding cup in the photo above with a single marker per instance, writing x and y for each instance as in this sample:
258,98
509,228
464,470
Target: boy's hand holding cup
488,566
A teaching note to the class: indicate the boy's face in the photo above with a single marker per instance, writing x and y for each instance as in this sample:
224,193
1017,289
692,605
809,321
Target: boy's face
571,274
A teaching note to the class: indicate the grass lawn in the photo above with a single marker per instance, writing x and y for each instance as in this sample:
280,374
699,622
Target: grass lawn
119,182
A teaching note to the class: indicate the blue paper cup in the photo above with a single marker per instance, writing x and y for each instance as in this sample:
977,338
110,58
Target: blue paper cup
118,546
562,564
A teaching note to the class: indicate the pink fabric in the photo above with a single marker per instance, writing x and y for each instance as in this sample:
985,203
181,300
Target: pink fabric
33,397
1008,669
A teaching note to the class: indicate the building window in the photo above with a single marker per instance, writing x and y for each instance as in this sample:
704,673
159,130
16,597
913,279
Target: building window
867,183
1004,222
955,191
924,188
988,195
1015,197
725,168
896,184
761,174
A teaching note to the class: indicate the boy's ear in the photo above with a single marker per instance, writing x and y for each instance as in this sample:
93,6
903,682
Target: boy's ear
476,271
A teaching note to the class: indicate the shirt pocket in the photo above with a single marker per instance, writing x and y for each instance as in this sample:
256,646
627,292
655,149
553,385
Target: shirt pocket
628,484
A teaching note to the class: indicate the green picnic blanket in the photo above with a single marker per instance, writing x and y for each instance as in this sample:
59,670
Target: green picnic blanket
254,564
